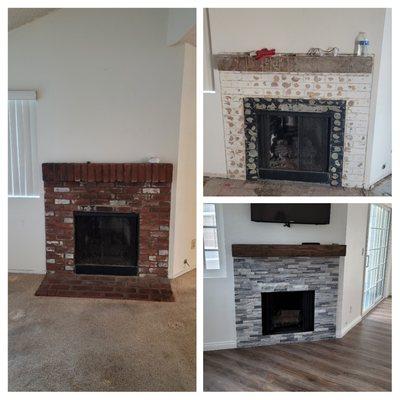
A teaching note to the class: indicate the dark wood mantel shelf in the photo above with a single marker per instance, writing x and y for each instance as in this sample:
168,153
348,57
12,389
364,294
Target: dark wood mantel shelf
288,250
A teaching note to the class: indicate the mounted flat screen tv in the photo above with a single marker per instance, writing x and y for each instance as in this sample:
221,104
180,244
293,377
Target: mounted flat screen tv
318,214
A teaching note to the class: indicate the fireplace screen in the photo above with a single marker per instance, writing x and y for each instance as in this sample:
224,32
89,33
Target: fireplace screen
294,139
285,312
106,243
294,145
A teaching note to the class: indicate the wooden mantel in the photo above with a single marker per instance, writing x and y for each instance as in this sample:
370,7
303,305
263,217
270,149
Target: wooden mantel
288,250
344,63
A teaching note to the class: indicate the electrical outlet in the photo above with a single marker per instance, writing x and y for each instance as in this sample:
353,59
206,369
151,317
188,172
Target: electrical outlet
193,244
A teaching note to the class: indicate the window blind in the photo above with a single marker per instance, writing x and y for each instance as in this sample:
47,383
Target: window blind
22,145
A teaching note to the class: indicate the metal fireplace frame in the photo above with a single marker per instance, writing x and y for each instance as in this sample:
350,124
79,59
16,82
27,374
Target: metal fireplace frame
268,300
256,108
104,269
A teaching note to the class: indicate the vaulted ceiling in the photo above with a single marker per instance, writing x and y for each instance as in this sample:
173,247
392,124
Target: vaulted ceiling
21,16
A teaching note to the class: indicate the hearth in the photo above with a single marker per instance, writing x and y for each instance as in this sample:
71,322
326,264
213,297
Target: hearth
285,312
106,243
294,139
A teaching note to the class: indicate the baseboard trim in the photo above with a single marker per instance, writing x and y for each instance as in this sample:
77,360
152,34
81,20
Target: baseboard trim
379,180
212,175
181,272
349,327
229,344
25,271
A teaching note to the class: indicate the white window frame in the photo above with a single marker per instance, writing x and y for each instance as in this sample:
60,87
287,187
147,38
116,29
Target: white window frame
27,95
221,272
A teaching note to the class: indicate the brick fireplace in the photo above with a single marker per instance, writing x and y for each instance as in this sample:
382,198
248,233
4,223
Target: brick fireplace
340,86
107,230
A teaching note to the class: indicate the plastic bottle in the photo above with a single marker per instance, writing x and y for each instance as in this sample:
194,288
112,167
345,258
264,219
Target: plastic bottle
361,45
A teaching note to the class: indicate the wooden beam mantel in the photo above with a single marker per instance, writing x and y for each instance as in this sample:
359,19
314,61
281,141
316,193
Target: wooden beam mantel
344,63
288,250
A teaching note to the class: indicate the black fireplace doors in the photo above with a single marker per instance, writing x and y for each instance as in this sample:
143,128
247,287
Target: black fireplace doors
285,312
106,243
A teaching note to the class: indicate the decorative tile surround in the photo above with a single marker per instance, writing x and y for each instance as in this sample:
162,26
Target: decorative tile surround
336,108
274,274
247,81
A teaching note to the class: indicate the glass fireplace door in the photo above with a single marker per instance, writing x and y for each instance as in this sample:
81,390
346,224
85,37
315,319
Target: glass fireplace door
376,255
294,145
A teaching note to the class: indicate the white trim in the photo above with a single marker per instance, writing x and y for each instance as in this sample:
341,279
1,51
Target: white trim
39,271
23,197
22,95
348,327
214,175
181,272
209,92
229,344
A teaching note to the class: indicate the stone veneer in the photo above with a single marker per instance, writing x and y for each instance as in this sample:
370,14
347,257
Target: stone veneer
254,81
274,274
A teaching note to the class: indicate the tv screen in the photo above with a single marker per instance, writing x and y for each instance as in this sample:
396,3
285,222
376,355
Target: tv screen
291,213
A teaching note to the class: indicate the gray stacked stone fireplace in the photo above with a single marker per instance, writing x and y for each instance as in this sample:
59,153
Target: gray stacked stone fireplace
254,276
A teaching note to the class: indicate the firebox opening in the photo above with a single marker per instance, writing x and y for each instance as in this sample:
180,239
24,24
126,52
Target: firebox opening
106,243
294,145
285,312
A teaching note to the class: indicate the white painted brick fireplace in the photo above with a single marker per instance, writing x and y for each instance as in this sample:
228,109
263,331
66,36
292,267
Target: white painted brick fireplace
353,87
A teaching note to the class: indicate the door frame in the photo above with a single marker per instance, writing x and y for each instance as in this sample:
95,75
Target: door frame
364,313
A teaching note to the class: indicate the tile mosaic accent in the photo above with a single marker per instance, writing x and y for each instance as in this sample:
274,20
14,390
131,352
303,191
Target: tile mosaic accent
275,274
337,109
354,88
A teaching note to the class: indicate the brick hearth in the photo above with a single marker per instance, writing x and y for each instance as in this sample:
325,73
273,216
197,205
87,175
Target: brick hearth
109,287
144,189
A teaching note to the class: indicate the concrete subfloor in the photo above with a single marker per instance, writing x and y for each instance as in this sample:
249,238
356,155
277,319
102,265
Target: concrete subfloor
69,344
236,187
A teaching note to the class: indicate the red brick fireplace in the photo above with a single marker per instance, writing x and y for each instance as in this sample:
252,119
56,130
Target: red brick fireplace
143,190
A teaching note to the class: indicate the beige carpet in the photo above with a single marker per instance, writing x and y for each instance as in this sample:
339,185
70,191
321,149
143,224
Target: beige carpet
63,344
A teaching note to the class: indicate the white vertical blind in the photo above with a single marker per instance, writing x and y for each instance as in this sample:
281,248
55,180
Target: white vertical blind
22,145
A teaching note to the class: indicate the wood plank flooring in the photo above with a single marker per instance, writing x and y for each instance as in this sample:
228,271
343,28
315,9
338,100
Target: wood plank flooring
360,361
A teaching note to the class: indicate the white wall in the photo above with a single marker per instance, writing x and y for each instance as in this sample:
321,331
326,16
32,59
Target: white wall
352,273
219,306
235,30
109,90
381,148
214,145
185,202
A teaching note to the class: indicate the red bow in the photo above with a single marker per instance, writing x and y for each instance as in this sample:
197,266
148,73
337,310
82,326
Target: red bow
260,54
